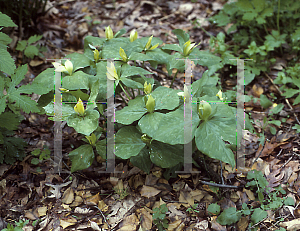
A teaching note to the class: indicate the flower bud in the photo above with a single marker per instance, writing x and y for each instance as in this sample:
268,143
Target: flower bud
108,33
146,139
204,110
133,35
92,139
112,73
148,44
150,104
123,54
69,66
79,108
147,88
96,55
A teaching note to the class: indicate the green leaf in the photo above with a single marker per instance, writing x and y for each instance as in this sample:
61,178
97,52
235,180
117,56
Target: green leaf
6,21
289,201
31,51
168,128
139,56
67,110
129,114
258,215
165,98
210,134
214,209
79,80
131,83
142,160
182,36
9,120
166,155
7,64
132,70
78,60
35,161
173,47
21,45
128,142
2,104
265,102
85,125
229,216
34,38
82,157
44,82
24,102
4,40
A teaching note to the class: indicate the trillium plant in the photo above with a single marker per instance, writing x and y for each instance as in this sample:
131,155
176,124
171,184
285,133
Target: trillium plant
149,128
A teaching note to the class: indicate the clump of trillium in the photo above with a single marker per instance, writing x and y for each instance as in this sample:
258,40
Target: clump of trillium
67,68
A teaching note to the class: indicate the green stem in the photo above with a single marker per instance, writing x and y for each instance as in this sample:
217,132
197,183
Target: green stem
124,91
123,99
132,93
173,79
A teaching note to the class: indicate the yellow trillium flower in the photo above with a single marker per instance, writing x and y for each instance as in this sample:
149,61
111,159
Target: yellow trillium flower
96,55
150,104
147,88
133,35
204,110
148,44
219,94
67,68
109,34
188,47
123,54
112,73
79,108
92,139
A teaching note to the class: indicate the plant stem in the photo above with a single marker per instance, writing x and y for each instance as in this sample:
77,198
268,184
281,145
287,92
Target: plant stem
173,79
123,99
132,93
124,91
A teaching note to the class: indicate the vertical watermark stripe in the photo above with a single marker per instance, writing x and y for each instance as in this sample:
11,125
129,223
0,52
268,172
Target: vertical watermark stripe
240,114
57,159
188,133
110,118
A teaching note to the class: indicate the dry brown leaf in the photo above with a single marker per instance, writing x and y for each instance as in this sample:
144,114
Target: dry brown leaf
291,225
68,196
148,191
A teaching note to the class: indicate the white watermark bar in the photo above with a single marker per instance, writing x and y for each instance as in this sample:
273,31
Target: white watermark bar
240,114
110,116
188,149
57,159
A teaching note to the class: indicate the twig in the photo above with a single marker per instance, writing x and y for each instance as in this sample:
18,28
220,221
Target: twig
102,216
220,185
159,71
